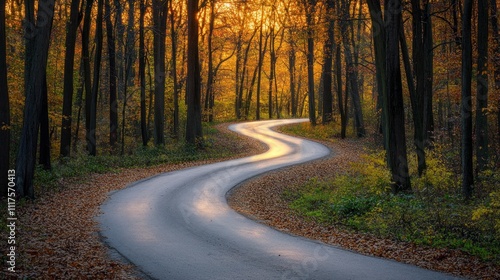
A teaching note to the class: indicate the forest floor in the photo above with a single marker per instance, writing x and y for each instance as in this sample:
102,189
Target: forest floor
58,235
264,200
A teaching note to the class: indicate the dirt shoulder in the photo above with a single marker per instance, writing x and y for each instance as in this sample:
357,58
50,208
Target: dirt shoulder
262,199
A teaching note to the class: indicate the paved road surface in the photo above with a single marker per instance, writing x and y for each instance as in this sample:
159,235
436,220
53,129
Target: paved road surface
178,225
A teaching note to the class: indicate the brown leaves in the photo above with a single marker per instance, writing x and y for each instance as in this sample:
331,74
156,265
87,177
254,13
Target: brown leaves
263,199
58,234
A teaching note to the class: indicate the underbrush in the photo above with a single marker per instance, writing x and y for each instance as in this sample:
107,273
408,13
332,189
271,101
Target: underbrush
79,165
433,214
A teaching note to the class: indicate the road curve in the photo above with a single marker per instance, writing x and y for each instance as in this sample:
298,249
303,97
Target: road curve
178,225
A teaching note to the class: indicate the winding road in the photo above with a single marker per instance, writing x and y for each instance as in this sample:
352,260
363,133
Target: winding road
178,225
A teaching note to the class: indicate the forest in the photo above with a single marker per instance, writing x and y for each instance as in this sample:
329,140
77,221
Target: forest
86,79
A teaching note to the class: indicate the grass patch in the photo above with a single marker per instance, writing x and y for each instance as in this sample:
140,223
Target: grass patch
433,214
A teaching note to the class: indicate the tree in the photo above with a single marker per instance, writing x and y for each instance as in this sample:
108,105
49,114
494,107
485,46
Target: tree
194,129
4,107
327,64
92,103
310,10
393,99
142,73
378,33
482,87
159,36
26,157
113,103
466,103
86,66
69,62
44,158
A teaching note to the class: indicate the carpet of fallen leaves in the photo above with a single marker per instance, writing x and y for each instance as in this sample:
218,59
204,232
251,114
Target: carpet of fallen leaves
58,236
262,199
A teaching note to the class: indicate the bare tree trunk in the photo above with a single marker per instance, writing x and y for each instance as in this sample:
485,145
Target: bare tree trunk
194,130
91,133
86,63
310,10
129,62
428,118
352,80
210,80
159,28
69,62
342,108
291,70
482,87
174,38
260,61
327,65
44,158
398,162
496,59
378,33
142,73
418,100
113,104
4,108
466,106
25,164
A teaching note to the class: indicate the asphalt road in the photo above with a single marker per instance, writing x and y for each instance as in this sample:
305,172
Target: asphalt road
178,225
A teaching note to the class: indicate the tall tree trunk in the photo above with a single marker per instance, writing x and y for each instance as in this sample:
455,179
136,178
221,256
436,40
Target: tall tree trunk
378,33
91,133
113,103
327,65
310,10
86,64
44,158
238,97
342,108
466,104
142,73
30,30
173,48
482,87
260,61
272,71
418,70
194,130
129,62
352,80
4,107
428,118
26,157
159,28
210,80
291,71
69,62
398,162
496,59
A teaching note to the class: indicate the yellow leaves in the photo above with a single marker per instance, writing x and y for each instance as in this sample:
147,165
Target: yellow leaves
481,212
